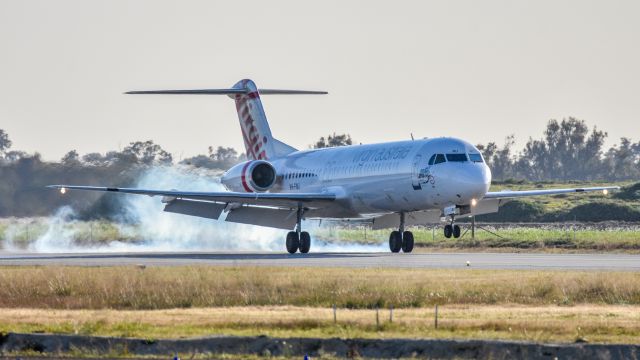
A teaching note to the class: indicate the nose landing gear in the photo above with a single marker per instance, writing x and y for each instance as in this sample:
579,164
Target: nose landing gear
401,239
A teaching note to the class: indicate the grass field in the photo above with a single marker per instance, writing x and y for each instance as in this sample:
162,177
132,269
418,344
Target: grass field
512,236
593,323
610,237
132,288
159,302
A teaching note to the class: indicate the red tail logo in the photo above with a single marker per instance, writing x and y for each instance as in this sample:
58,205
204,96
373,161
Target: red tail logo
250,133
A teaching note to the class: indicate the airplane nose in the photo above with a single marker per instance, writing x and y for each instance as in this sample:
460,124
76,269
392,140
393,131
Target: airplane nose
479,180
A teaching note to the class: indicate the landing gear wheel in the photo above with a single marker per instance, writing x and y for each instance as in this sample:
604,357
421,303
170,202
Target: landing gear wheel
407,241
456,231
395,241
448,231
292,242
305,242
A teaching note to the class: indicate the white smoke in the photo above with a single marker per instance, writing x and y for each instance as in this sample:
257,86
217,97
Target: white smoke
60,232
156,230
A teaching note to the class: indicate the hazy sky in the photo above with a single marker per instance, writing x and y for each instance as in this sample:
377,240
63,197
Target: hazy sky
479,70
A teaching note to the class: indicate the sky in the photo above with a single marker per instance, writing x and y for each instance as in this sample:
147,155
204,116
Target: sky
478,70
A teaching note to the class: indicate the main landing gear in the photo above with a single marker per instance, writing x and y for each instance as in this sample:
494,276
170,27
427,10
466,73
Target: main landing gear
452,229
298,240
401,239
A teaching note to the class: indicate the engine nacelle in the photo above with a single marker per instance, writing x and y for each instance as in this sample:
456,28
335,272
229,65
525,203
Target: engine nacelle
250,176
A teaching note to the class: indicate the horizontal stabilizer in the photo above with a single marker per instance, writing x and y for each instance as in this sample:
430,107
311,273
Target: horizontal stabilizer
225,92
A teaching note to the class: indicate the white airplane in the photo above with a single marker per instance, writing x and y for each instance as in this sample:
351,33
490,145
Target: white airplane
389,185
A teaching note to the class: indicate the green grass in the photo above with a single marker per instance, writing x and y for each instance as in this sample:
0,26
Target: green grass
601,323
512,237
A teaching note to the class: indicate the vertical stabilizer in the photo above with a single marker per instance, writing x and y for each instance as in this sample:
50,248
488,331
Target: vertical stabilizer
258,141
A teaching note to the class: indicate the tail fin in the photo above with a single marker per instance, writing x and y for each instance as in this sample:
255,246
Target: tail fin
258,141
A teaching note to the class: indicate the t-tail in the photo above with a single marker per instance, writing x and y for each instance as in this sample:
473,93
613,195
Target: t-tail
258,141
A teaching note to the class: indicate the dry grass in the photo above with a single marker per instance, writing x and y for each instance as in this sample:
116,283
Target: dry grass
594,323
202,286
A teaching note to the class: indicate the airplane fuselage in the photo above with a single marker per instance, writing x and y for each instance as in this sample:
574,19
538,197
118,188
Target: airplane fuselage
388,177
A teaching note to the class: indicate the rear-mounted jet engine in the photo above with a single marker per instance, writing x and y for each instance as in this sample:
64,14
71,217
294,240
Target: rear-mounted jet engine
250,176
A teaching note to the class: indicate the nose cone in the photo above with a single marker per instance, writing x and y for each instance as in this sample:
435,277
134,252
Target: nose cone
485,175
477,179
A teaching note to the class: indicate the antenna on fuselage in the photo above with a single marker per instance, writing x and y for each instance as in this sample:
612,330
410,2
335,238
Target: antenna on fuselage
412,136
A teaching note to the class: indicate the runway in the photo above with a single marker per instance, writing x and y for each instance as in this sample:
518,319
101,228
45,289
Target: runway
620,262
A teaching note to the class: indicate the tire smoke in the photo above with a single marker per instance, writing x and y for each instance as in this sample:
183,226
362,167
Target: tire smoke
156,230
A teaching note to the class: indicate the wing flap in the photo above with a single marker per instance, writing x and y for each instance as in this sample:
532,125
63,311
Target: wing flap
202,209
411,218
269,217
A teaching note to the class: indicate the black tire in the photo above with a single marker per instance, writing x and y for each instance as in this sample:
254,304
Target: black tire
456,231
305,242
395,241
292,242
448,230
407,241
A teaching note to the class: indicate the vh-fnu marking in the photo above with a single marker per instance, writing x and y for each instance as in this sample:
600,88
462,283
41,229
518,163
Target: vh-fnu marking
387,185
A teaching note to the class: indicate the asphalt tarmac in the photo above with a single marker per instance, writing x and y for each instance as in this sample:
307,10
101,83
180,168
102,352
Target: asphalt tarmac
620,262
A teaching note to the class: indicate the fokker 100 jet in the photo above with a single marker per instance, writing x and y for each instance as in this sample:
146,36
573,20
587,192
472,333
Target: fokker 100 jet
389,185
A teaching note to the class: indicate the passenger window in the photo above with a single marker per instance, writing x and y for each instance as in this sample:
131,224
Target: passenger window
440,159
432,159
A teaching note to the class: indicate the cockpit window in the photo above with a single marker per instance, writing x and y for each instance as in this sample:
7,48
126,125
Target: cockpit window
457,157
440,159
432,159
475,157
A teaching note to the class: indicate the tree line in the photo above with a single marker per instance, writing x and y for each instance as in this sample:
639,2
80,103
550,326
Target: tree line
568,150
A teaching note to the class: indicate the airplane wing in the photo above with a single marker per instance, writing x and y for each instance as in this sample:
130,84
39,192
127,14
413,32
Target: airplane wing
523,193
281,200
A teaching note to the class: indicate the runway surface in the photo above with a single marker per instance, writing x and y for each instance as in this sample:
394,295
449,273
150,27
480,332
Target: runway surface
359,260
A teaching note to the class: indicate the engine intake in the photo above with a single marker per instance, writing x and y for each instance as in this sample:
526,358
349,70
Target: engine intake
250,176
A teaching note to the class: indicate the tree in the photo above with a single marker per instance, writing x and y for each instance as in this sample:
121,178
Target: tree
71,159
147,153
500,160
93,159
223,154
5,142
566,152
534,162
621,161
15,155
334,140
488,151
